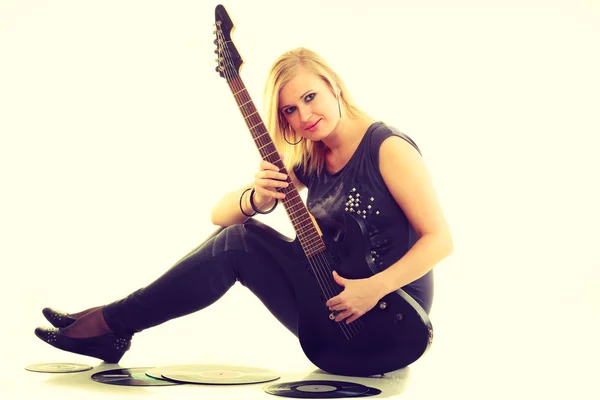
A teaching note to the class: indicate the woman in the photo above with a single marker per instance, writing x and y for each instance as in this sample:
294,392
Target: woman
349,163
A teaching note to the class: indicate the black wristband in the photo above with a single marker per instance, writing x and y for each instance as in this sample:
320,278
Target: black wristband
241,197
256,208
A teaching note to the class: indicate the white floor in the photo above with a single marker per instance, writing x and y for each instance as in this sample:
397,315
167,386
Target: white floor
504,349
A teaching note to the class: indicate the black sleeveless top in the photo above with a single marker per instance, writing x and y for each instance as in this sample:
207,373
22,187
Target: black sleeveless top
359,188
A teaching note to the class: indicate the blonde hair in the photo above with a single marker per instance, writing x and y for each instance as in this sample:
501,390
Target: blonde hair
311,154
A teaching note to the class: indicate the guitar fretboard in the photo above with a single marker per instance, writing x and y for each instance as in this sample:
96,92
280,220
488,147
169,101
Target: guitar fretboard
309,237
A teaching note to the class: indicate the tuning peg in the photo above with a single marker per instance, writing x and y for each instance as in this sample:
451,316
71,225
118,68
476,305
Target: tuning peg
216,51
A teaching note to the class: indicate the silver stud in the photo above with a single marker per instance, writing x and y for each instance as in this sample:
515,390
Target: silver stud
372,199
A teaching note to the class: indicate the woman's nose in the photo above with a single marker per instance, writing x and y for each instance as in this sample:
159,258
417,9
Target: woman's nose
304,113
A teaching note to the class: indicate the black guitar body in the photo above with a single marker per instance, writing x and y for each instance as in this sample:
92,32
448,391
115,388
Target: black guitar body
392,335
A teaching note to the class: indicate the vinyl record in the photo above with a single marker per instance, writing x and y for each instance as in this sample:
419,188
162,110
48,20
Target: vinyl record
130,377
371,392
319,389
58,367
213,374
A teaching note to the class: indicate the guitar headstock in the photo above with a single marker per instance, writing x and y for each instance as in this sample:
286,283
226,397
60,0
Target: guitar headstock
229,59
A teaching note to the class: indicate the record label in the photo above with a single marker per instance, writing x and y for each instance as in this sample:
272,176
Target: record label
130,377
58,367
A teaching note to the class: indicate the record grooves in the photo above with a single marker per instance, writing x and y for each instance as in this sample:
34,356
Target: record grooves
130,377
321,389
213,374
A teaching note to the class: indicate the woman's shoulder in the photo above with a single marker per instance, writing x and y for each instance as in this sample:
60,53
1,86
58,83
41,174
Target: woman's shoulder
381,130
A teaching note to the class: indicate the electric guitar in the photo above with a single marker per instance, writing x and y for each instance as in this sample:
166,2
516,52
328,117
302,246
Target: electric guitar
392,335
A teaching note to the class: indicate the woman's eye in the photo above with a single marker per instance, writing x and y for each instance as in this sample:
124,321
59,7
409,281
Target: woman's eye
309,97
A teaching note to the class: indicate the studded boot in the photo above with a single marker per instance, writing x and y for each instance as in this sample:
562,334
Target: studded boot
109,347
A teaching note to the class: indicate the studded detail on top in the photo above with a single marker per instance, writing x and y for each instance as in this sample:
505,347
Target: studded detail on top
353,204
51,335
58,319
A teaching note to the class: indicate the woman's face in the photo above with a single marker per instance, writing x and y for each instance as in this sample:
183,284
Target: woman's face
309,105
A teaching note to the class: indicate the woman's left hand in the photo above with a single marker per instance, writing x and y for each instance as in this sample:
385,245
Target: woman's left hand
358,297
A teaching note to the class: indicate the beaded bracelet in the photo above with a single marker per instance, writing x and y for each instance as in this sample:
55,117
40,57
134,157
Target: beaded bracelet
241,197
256,208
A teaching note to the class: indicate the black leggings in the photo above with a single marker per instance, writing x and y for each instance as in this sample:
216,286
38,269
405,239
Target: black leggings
203,276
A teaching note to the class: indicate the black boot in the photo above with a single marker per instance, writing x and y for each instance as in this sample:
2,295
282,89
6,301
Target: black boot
58,319
109,347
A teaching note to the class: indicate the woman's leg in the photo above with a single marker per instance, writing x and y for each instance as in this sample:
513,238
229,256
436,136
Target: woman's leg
197,281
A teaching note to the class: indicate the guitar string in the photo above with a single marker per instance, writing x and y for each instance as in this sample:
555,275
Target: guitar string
319,263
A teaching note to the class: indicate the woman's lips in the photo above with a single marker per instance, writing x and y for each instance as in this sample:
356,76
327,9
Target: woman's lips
313,127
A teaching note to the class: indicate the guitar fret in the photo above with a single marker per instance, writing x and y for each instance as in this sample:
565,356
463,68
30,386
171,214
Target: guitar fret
299,218
263,134
273,152
294,212
262,147
252,127
248,116
239,91
305,226
312,240
303,216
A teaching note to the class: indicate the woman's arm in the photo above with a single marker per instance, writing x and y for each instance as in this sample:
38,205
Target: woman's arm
227,211
408,180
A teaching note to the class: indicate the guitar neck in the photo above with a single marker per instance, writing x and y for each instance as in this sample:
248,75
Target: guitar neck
309,237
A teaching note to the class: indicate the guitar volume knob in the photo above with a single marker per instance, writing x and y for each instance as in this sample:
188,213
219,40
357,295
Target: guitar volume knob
382,305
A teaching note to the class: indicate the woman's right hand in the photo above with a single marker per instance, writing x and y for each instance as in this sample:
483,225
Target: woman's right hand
266,181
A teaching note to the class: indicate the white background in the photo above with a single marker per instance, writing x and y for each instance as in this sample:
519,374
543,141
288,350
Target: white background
118,137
